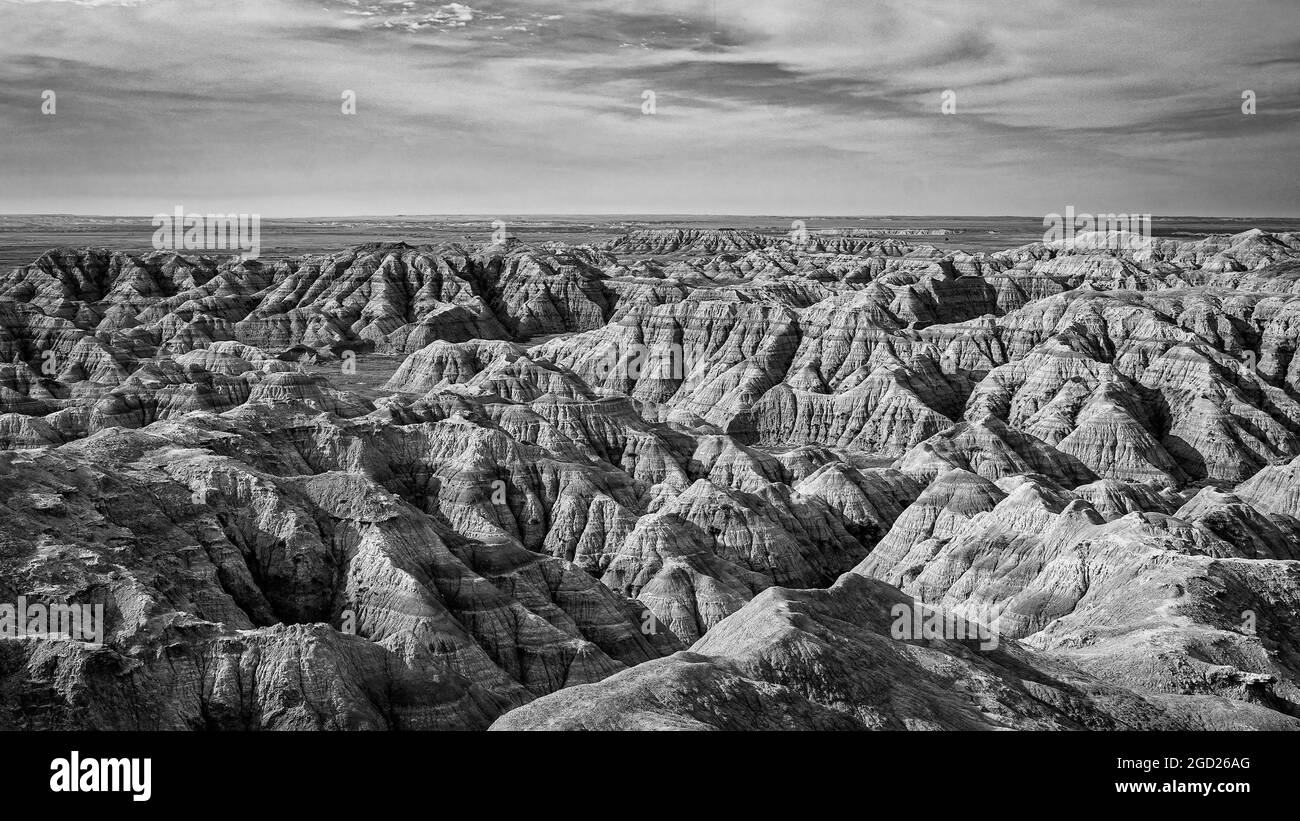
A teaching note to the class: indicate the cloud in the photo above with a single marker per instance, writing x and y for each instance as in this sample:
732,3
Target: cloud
85,2
762,106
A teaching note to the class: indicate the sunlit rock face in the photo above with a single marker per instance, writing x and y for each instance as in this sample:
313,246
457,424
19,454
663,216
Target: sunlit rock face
684,478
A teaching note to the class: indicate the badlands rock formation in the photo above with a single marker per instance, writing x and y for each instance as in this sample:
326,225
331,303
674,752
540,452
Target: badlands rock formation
685,479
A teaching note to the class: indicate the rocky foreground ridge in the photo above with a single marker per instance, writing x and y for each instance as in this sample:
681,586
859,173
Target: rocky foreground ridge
685,479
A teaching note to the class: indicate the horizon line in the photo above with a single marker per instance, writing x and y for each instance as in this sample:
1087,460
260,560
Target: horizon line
698,214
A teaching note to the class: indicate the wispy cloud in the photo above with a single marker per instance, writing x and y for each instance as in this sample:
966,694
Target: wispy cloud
760,106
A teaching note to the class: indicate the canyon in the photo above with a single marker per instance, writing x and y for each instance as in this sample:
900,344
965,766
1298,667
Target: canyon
675,480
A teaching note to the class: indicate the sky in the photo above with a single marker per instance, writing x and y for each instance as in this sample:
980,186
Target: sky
783,107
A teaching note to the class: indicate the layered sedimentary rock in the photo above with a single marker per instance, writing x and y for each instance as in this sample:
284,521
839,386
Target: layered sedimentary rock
827,660
1164,603
198,558
406,486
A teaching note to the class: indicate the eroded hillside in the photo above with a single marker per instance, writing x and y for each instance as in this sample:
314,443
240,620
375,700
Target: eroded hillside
680,479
